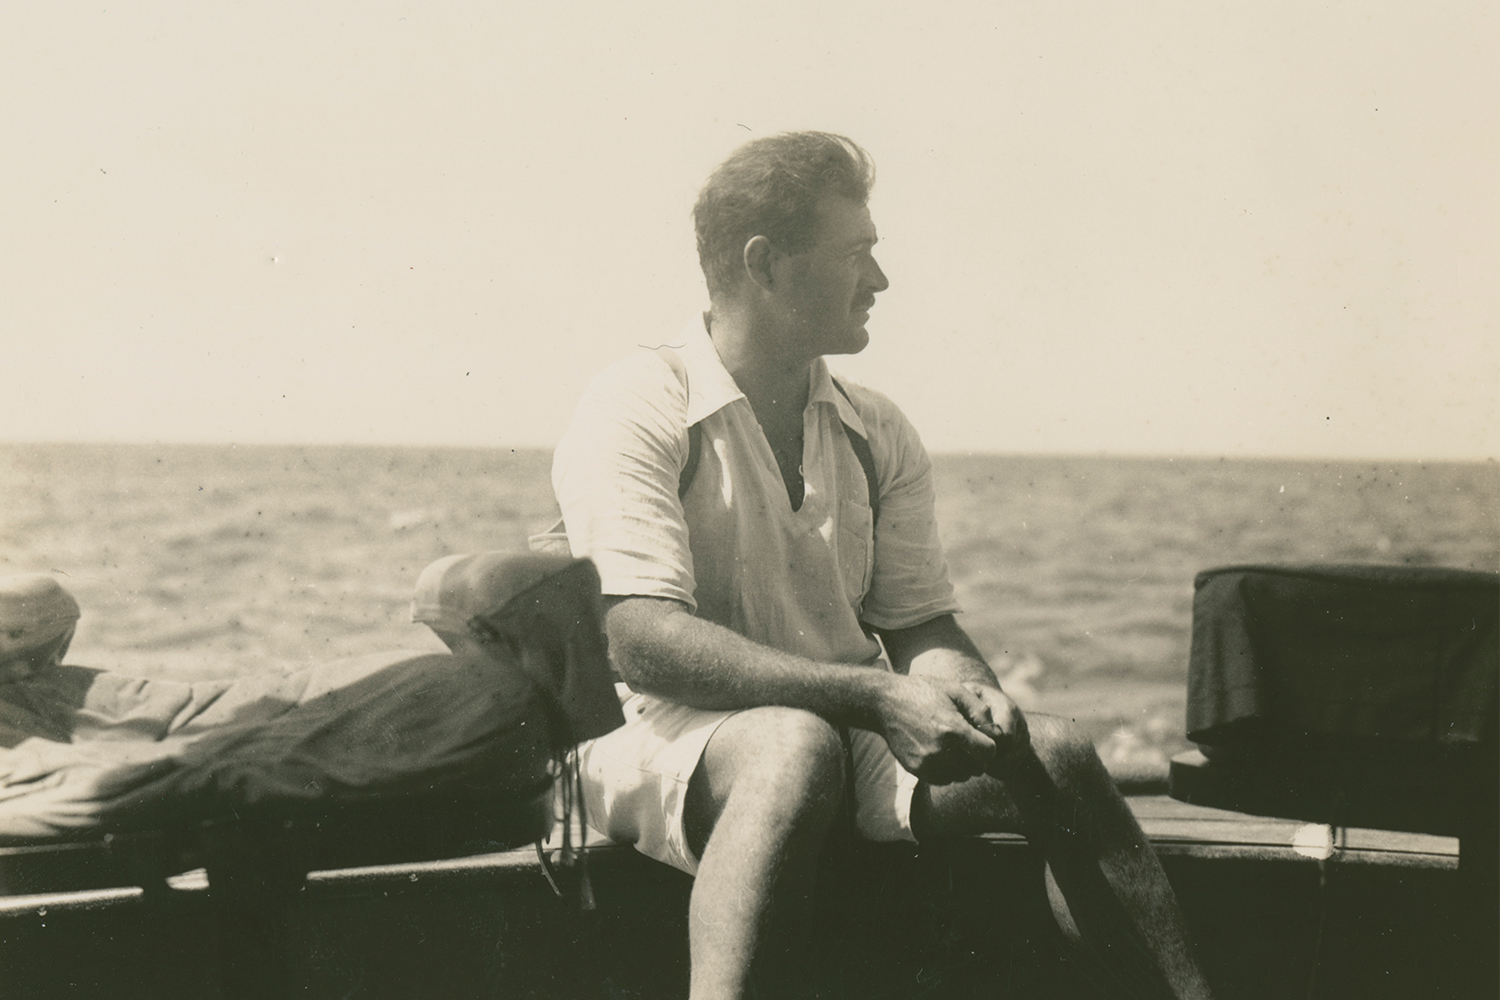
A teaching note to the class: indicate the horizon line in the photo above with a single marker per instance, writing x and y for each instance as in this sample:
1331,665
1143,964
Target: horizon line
1194,456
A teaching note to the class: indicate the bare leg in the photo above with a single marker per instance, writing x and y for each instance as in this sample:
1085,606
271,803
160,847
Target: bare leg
1118,897
758,811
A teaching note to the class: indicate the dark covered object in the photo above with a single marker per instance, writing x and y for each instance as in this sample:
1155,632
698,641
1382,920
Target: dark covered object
1356,696
1349,695
1403,655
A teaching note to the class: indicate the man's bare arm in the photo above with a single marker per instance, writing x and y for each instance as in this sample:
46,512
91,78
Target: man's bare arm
660,648
937,648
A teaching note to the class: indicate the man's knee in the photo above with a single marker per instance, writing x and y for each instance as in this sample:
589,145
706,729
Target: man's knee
787,744
790,763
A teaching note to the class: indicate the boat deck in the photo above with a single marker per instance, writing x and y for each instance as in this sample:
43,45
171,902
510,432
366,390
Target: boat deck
1279,907
1176,830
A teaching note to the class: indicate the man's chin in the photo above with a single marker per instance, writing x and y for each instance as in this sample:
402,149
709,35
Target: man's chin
856,341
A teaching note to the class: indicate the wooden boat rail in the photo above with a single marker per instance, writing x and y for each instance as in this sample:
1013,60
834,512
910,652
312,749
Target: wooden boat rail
490,924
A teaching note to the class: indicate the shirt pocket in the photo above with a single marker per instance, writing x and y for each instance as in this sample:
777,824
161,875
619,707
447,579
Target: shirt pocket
856,550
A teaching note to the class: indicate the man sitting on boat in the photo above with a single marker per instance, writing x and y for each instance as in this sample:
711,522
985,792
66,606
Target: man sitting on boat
778,601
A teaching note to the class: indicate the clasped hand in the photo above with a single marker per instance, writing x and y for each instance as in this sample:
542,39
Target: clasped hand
949,731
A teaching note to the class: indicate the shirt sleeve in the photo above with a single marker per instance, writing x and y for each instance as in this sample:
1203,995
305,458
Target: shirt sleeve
910,584
615,474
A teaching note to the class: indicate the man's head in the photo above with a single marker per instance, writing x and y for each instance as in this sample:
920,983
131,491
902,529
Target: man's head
771,187
786,240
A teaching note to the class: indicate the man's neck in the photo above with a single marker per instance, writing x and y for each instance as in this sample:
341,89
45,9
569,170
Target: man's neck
774,380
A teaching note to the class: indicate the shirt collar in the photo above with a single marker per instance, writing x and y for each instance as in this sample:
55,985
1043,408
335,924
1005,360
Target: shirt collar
824,391
711,387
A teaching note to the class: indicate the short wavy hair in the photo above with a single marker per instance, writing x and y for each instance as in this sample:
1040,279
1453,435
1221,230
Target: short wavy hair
771,187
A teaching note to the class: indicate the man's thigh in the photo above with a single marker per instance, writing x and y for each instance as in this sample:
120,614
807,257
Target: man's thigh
790,757
635,779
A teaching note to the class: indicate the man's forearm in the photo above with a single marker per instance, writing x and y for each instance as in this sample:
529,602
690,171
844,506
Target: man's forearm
939,650
661,649
948,664
929,722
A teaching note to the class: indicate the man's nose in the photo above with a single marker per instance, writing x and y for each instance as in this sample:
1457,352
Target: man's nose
876,277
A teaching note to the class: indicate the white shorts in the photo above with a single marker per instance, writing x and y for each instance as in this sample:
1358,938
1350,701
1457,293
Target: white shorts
635,780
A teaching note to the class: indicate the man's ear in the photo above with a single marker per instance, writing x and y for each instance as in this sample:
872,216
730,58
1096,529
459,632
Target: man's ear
757,259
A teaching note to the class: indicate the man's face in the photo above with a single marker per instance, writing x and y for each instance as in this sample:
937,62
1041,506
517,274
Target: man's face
827,291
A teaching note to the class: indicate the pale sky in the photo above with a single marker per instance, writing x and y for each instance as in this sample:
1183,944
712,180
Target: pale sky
1159,228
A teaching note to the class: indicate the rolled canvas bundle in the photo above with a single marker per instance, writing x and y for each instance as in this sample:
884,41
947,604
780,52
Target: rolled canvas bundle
87,750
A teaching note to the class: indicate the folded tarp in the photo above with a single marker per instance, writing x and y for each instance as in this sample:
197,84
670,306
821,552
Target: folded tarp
385,725
1403,655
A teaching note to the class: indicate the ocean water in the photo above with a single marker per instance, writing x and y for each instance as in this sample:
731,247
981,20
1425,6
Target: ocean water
1075,572
1089,562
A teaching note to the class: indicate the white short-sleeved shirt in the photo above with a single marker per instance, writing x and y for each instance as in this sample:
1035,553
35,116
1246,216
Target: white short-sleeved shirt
732,548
